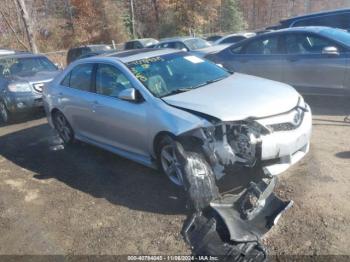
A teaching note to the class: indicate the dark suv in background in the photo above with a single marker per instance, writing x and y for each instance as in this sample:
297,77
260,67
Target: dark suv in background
78,52
22,78
336,18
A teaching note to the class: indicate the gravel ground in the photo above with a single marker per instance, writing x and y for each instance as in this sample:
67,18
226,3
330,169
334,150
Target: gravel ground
83,200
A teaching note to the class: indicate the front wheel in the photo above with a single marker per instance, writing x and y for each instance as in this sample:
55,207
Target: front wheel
4,113
63,128
168,161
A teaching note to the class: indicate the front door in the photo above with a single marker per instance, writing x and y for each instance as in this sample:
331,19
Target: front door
311,71
121,124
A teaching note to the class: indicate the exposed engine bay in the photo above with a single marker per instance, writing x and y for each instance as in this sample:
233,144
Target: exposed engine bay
227,144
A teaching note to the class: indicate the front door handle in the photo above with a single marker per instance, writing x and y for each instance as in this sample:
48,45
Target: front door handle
94,106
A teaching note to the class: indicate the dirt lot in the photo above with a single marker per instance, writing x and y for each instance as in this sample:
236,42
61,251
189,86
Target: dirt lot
82,200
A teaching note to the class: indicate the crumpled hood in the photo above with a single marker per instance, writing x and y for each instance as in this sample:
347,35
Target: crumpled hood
238,97
42,76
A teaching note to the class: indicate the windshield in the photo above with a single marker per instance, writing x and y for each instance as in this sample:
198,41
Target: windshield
25,66
338,34
175,73
196,43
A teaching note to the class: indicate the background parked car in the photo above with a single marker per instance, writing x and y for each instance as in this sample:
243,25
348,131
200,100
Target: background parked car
140,43
233,38
22,77
77,52
315,60
336,18
7,52
96,53
183,43
211,39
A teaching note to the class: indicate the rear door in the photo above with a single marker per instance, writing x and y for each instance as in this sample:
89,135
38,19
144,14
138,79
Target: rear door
260,57
75,97
308,69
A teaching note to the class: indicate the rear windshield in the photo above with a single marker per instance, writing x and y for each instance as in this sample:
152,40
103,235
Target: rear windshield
197,43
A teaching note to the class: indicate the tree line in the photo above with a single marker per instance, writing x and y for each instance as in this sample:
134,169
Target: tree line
48,25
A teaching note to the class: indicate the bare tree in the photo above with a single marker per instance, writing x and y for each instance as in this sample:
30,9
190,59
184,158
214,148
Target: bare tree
27,25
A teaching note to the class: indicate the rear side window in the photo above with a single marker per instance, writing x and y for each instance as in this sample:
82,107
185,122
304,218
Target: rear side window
264,46
80,77
129,45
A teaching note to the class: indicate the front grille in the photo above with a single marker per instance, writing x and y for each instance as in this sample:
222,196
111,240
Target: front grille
38,87
297,118
283,127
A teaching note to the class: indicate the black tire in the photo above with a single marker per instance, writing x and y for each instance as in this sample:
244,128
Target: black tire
4,113
63,128
198,177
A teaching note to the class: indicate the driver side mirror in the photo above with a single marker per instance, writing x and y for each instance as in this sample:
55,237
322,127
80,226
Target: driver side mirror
130,95
330,50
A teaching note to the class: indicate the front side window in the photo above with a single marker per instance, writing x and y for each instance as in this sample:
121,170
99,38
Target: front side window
174,73
110,81
305,44
264,46
80,77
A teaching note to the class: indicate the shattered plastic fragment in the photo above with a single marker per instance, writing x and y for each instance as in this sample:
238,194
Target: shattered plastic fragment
229,226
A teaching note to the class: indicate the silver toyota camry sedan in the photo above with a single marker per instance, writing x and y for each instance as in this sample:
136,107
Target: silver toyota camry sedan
141,104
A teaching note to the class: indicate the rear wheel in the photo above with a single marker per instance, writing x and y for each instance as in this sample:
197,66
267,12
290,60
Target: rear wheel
63,128
4,113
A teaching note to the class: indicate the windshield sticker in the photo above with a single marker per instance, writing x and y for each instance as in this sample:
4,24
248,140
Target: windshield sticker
146,61
194,59
139,75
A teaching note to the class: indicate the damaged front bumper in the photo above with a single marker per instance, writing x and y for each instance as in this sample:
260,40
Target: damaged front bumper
275,142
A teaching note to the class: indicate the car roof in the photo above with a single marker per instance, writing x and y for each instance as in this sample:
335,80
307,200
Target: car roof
178,38
141,40
134,54
305,29
89,46
331,12
21,55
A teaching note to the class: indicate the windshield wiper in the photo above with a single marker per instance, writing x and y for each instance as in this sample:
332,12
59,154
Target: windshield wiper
178,91
209,82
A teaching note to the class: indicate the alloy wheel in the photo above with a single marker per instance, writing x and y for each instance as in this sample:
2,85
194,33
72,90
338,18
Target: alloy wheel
3,113
63,128
171,165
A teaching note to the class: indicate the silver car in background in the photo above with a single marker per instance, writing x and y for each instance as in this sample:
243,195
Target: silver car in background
314,60
22,77
139,103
